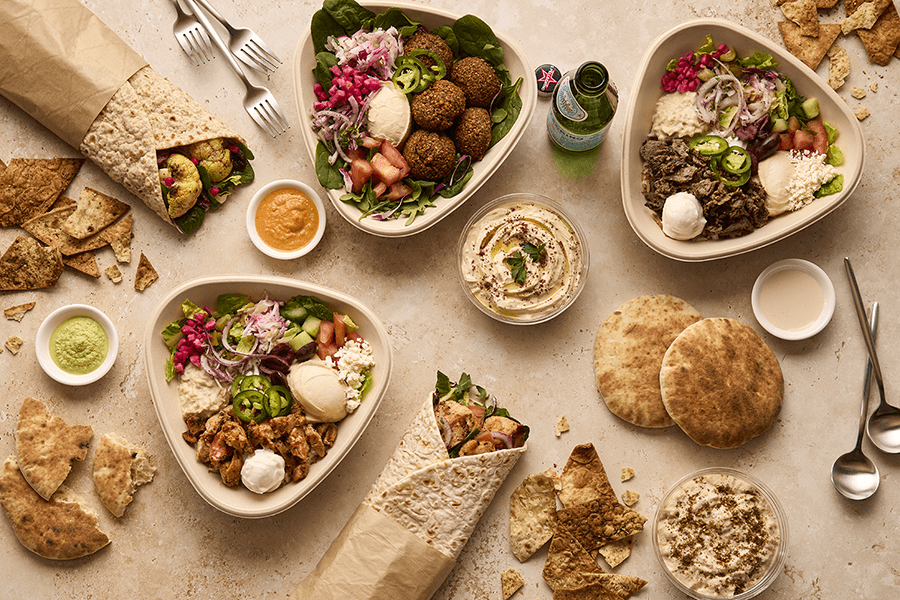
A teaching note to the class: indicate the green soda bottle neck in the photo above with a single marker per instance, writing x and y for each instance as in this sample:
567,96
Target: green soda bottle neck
591,79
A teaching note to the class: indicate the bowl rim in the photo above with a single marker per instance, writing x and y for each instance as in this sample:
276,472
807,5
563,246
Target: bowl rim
706,250
395,227
254,205
780,517
538,200
821,278
42,344
208,485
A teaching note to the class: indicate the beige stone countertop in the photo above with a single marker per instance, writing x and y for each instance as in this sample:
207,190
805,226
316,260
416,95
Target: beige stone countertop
172,544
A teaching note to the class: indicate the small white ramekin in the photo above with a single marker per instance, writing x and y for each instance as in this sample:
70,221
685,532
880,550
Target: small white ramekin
254,205
827,292
42,344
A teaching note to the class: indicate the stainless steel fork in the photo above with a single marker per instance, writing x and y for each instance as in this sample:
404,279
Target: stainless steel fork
192,36
259,102
246,44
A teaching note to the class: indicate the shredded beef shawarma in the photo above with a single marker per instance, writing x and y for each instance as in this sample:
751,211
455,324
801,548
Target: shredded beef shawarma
670,166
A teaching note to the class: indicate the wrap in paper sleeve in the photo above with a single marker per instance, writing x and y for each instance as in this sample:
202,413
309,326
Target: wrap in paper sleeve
68,70
405,537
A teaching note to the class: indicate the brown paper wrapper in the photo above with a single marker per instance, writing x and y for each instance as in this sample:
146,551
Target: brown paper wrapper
375,558
61,64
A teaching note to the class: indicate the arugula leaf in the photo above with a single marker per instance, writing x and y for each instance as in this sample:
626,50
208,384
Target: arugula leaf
517,269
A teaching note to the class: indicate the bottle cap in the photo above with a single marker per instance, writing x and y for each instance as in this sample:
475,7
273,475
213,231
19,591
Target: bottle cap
547,77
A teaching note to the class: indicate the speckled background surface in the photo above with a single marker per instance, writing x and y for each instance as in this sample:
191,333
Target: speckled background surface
171,543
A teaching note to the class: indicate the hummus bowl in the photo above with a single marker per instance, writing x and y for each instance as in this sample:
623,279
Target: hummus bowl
239,501
642,101
513,57
731,511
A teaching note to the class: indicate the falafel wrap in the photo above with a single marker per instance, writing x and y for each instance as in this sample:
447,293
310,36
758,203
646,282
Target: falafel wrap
68,70
404,538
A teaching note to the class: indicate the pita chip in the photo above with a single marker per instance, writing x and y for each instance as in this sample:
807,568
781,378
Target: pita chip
48,228
145,274
15,313
599,521
119,237
804,14
510,580
863,17
532,515
114,274
568,564
615,553
83,263
28,186
29,265
46,447
826,3
591,591
583,478
62,529
839,66
883,39
2,167
95,211
13,344
810,50
119,467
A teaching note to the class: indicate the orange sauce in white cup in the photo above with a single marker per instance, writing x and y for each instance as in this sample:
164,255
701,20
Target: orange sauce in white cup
286,220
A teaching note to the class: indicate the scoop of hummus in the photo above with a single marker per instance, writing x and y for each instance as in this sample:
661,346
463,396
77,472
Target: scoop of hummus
775,176
389,115
317,387
676,116
198,393
682,216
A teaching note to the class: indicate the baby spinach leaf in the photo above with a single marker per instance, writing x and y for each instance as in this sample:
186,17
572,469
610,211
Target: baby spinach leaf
321,27
348,13
322,72
329,175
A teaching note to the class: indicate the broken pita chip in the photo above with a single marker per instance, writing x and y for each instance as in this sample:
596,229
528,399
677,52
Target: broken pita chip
615,553
861,113
591,591
826,3
839,66
29,265
46,446
804,14
562,426
810,50
145,274
627,473
599,521
114,274
119,237
630,497
532,515
583,478
48,228
862,18
14,343
858,92
28,186
83,263
95,211
873,86
568,564
883,39
15,313
2,167
511,580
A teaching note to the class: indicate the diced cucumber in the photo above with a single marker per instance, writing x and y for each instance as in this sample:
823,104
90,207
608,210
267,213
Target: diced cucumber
351,326
311,325
300,340
296,314
810,108
779,125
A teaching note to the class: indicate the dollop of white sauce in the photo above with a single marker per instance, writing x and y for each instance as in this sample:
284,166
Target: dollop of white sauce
682,216
263,471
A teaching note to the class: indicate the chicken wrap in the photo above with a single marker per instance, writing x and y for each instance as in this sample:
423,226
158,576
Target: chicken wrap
67,69
404,538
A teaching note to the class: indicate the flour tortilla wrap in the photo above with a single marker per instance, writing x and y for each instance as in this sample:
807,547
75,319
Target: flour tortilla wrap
67,69
404,538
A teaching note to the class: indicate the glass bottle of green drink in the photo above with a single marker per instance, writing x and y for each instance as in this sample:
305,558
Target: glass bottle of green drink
583,107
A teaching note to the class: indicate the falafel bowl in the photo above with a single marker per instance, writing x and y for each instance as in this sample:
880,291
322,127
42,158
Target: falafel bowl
428,128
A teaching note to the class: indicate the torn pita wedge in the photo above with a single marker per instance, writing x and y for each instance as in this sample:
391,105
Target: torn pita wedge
119,467
28,186
583,478
46,447
532,515
145,274
48,228
570,566
510,582
599,521
83,263
810,50
883,39
804,14
29,265
63,528
615,553
591,591
95,211
119,237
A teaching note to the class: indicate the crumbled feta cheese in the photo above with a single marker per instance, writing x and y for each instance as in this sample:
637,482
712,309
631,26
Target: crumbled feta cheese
810,172
353,359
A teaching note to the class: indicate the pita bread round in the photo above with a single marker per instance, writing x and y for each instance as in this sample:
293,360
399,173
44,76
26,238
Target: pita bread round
119,467
721,383
628,353
61,529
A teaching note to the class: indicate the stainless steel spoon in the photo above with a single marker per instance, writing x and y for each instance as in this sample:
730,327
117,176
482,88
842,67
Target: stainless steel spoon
853,474
884,424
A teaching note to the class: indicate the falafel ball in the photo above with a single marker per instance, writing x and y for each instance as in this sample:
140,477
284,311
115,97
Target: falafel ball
430,155
429,41
472,134
438,106
477,79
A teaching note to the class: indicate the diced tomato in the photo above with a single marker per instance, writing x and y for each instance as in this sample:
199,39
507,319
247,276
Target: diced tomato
326,350
820,143
355,153
384,170
794,124
803,140
395,158
370,142
340,330
399,190
787,141
380,188
354,335
360,173
326,333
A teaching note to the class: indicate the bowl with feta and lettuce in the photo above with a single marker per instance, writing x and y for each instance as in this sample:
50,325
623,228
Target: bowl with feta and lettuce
262,385
732,144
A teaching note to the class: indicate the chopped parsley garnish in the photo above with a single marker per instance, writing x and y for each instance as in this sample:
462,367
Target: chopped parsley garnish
516,261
